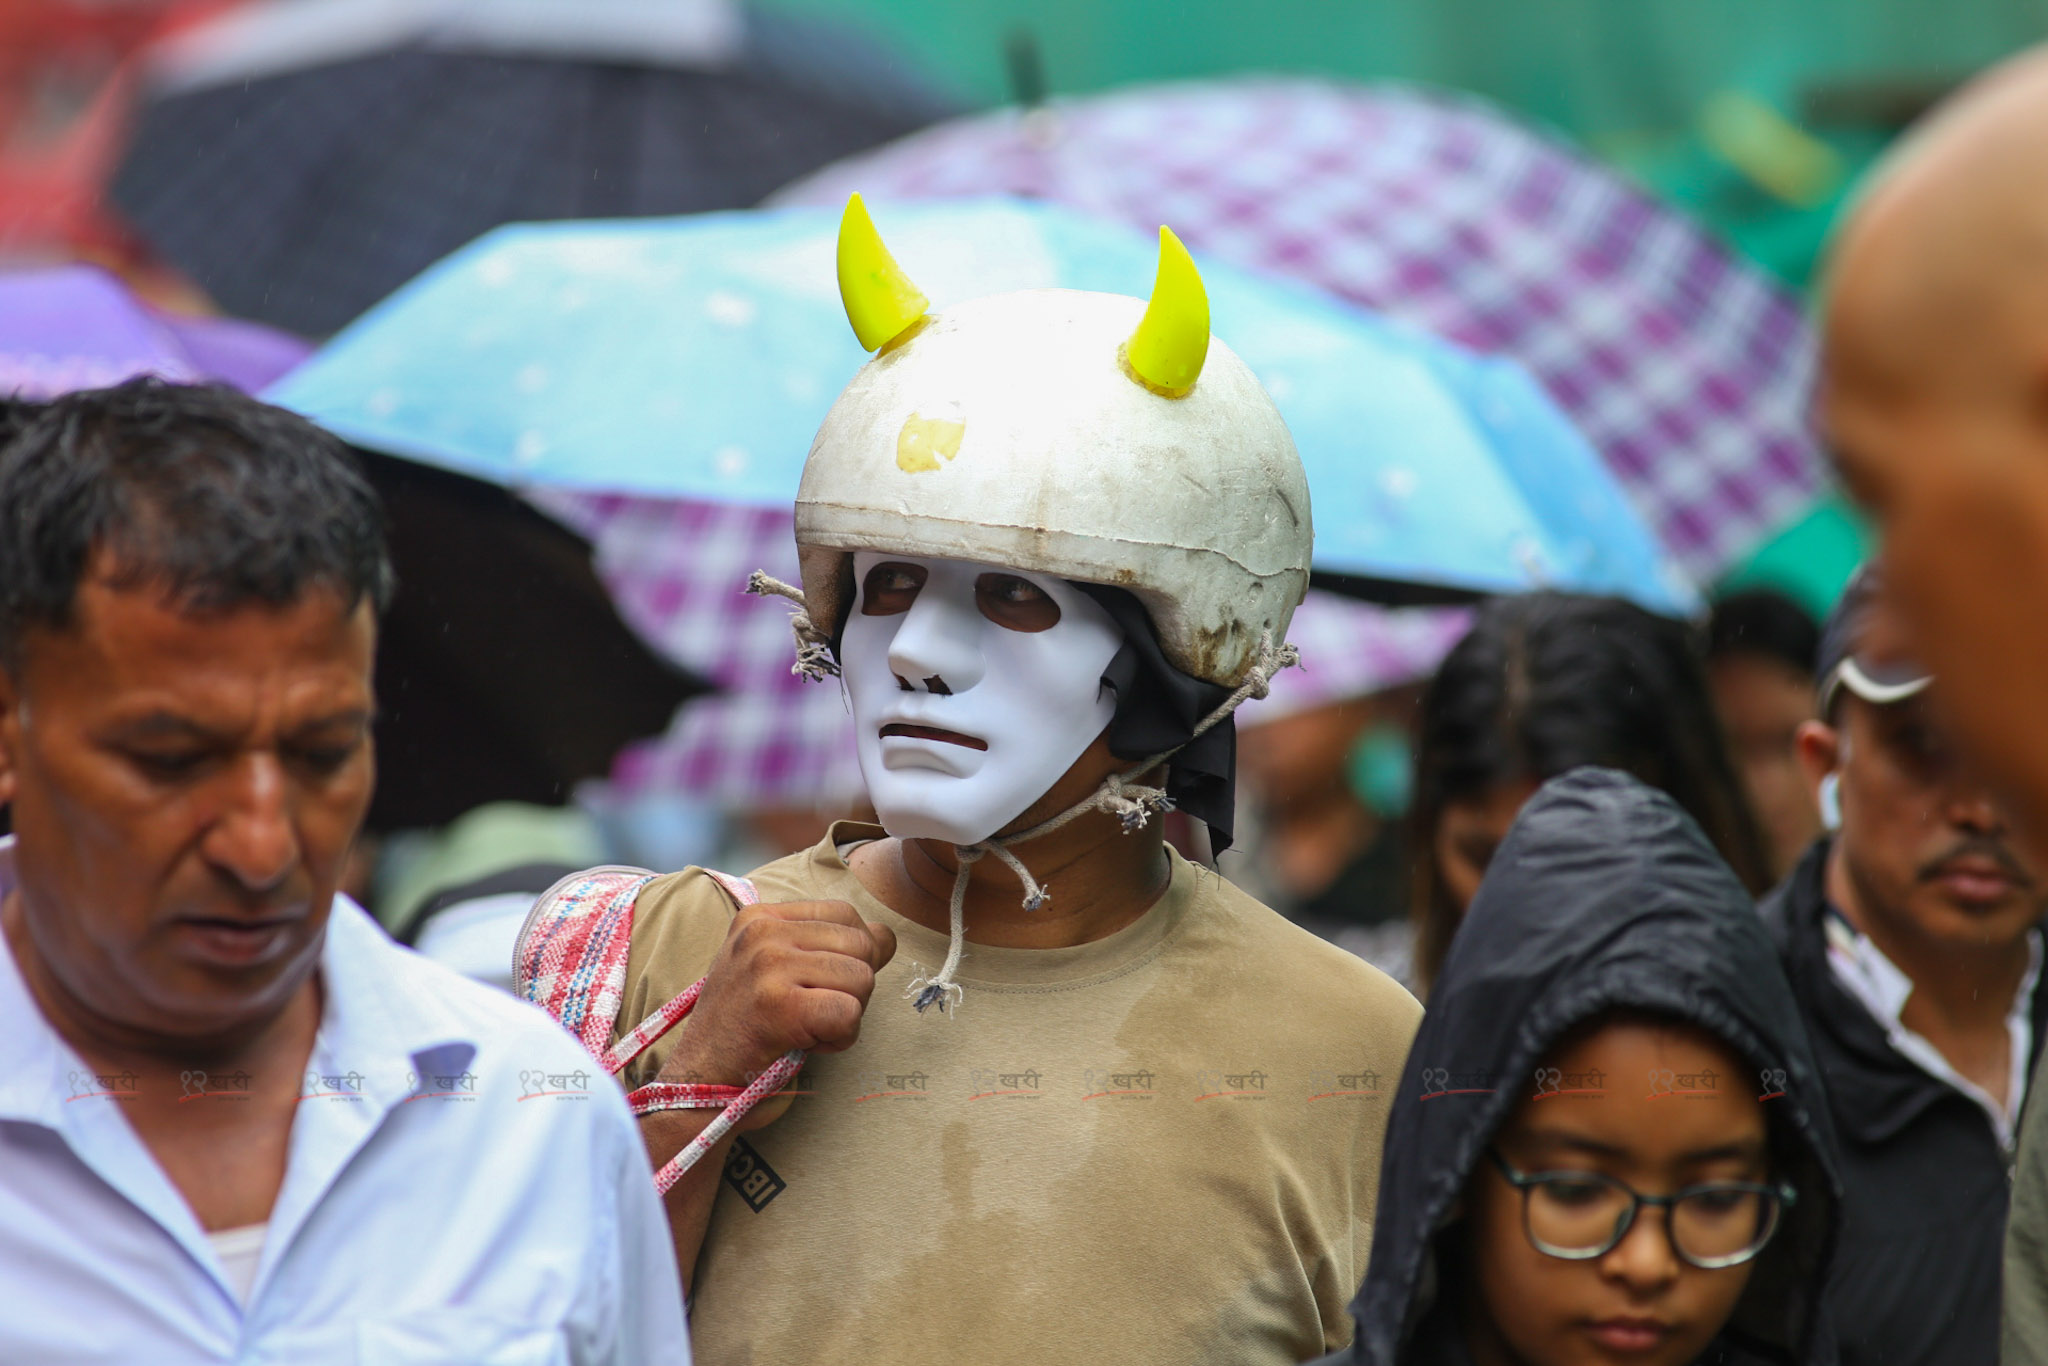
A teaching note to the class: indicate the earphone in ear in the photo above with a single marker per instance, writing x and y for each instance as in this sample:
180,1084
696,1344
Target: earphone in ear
1831,802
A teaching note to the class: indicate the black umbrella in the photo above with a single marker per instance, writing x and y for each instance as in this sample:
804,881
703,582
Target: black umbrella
504,672
299,197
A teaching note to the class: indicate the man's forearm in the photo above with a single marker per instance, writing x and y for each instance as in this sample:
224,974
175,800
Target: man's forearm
666,1133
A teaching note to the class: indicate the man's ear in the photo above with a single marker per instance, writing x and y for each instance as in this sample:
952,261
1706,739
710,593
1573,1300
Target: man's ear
1818,747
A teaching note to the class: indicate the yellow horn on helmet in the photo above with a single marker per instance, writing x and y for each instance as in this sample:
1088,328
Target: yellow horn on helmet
881,302
1166,353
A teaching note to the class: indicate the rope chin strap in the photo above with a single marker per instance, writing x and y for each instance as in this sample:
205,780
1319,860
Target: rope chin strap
1131,802
813,646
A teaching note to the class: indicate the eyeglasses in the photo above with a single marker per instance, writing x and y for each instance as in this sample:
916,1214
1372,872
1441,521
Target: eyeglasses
1582,1215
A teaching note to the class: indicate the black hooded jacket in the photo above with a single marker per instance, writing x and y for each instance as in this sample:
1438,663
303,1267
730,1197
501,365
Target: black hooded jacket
1923,1217
1604,895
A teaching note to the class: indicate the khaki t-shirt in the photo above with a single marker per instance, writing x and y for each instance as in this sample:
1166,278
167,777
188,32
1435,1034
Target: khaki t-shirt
1161,1147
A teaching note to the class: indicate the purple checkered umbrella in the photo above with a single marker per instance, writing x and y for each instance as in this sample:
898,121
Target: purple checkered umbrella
1686,368
676,568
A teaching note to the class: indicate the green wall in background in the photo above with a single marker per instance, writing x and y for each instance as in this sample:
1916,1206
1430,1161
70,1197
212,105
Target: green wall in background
1597,67
1630,78
1810,560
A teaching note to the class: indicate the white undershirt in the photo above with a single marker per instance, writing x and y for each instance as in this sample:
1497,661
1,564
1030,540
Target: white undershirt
1865,973
239,1250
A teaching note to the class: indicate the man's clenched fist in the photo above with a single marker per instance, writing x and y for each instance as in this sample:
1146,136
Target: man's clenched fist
794,975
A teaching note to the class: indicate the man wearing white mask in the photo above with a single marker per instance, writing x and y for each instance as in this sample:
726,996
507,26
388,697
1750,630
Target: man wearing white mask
1062,1091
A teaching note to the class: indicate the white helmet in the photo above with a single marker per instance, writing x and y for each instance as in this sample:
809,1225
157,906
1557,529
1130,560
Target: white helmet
1064,433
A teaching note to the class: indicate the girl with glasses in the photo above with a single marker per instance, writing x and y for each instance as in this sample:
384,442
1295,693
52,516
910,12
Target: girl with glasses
1609,1144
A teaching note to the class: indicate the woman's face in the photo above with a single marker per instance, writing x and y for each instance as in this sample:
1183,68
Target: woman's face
1660,1108
1467,834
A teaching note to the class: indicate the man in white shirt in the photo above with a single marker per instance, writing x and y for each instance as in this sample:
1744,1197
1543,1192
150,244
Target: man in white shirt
1910,936
236,1122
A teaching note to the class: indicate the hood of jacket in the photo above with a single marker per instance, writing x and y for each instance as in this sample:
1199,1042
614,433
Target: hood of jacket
1605,895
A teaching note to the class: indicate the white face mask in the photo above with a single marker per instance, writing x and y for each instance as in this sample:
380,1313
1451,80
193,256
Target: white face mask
967,652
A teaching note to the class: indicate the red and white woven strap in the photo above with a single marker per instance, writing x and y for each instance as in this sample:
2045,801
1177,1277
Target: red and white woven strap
657,1096
767,1084
666,1017
733,1102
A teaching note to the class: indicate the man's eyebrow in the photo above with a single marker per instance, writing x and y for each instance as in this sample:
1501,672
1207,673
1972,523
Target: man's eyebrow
353,717
164,725
169,725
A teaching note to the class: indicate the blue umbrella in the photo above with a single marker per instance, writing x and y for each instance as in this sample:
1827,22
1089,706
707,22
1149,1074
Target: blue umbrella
694,358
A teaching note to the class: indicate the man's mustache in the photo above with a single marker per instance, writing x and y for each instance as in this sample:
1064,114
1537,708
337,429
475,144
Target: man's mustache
1980,847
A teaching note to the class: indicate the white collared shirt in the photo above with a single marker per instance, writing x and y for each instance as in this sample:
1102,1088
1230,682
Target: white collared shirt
1864,971
463,1185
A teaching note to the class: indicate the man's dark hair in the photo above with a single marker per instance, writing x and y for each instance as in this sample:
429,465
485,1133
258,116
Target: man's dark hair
16,413
217,498
1765,622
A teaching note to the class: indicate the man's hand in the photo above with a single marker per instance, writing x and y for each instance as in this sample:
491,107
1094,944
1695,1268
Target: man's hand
794,975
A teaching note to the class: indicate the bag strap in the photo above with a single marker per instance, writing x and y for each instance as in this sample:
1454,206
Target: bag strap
571,960
571,955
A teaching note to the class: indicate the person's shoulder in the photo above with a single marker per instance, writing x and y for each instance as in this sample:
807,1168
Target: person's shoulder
688,896
692,895
1267,953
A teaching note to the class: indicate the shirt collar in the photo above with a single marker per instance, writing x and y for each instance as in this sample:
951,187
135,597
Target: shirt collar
383,1017
1863,970
383,1013
28,1046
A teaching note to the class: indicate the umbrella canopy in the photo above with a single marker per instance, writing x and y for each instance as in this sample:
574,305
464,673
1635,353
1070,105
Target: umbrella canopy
691,362
504,672
301,160
695,358
77,327
1686,368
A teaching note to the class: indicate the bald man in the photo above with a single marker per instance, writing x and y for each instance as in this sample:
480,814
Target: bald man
1935,398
